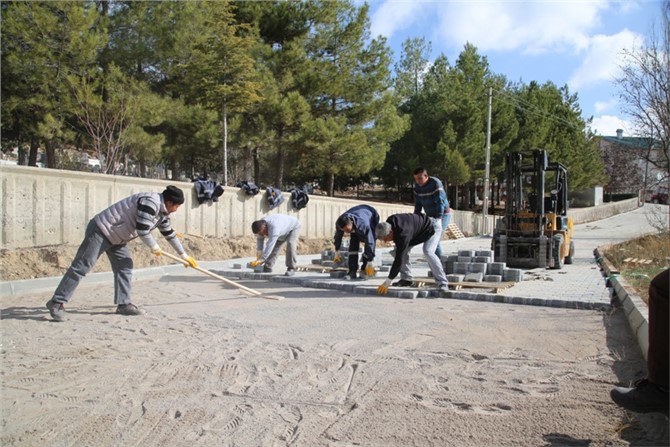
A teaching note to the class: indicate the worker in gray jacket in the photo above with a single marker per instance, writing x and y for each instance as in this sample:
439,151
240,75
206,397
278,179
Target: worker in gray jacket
109,232
279,229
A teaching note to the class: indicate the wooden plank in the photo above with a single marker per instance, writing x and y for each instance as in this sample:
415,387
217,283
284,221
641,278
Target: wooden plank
496,286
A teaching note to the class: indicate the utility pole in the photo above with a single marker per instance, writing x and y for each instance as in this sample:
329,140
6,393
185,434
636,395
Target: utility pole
485,209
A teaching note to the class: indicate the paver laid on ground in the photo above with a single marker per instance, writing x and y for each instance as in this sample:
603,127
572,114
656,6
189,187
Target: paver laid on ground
210,366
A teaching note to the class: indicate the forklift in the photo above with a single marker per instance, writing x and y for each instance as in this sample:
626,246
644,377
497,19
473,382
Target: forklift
535,231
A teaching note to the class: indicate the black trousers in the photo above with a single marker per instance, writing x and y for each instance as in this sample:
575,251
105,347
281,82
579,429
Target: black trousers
658,355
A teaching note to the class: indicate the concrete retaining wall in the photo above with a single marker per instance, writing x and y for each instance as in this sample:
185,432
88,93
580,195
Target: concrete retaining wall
584,215
42,207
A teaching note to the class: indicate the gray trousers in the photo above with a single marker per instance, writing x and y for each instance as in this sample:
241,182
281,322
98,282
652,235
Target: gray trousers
291,241
90,250
434,261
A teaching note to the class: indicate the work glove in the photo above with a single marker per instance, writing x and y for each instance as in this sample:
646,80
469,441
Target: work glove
337,258
190,260
383,289
256,263
369,270
156,250
364,263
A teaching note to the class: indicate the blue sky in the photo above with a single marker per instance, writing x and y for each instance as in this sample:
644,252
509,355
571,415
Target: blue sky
578,42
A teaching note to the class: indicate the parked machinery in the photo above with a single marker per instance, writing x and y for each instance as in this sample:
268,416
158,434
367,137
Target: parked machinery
535,230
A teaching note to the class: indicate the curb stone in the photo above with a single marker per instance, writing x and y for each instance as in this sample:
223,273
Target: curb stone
636,311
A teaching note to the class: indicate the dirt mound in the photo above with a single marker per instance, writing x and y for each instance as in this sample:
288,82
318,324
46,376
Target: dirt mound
54,260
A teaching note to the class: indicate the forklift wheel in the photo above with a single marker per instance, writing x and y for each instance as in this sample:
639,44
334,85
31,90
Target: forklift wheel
558,249
568,258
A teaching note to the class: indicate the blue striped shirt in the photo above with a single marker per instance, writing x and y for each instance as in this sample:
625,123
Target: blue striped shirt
431,197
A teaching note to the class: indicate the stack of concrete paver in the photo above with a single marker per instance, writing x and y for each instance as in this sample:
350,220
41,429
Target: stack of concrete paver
478,266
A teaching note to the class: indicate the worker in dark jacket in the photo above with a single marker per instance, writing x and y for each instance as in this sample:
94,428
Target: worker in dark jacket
360,222
430,196
406,231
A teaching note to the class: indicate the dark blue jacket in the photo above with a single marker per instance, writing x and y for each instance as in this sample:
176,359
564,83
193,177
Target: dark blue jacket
365,219
431,197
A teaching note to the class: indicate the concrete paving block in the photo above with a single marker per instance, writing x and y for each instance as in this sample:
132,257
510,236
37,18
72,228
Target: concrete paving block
461,268
466,253
487,253
484,259
316,283
493,278
455,278
365,290
496,268
423,294
385,268
474,277
452,258
515,275
338,274
405,294
349,287
477,267
449,267
316,261
467,259
237,266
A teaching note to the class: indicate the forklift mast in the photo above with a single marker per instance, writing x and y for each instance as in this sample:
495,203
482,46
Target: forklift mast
526,215
535,230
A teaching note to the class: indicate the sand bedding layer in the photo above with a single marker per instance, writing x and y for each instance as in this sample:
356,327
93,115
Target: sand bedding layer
208,367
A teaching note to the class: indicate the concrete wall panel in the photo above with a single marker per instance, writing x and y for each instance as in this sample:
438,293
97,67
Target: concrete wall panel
52,207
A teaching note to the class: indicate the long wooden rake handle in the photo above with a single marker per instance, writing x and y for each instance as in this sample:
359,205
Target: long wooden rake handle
226,280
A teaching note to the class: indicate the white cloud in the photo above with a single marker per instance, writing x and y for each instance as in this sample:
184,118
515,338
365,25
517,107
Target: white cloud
607,125
602,59
530,27
604,106
394,16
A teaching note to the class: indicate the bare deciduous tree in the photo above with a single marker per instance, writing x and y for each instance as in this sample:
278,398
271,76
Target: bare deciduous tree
645,93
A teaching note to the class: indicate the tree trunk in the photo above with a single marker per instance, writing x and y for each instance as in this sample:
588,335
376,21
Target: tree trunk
331,185
51,154
224,148
279,173
32,157
257,166
143,166
281,156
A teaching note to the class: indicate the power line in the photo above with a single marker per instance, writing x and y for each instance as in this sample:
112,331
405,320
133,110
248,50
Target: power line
532,108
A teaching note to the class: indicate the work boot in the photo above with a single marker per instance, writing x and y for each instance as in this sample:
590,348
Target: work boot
56,310
443,288
351,274
290,272
644,397
267,269
403,283
128,309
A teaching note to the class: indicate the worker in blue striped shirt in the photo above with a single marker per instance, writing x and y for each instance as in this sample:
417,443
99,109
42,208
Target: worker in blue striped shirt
429,194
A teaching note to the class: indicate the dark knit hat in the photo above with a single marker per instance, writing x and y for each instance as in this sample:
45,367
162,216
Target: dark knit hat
173,194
